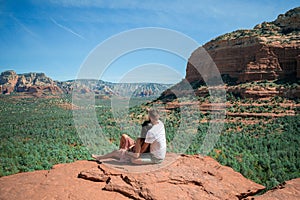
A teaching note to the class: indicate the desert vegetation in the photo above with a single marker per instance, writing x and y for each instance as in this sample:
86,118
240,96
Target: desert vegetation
37,133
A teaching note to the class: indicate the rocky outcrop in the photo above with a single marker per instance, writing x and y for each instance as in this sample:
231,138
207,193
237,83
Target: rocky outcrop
8,81
288,190
32,79
188,177
257,92
267,52
60,182
34,83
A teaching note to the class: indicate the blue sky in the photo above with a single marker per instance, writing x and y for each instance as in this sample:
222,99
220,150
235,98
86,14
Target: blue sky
56,36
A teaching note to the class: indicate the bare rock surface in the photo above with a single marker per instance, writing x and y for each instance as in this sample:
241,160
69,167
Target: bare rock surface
59,183
290,190
185,177
178,177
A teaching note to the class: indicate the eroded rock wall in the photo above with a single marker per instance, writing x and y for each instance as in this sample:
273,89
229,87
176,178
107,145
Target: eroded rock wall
251,60
34,83
269,51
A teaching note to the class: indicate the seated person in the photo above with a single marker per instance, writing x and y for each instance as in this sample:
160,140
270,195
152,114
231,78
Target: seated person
155,138
129,144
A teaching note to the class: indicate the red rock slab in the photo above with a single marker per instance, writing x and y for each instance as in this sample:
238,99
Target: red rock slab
188,177
61,182
290,190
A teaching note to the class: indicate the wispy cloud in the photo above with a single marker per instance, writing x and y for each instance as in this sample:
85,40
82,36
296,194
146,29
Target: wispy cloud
67,29
176,6
170,13
24,27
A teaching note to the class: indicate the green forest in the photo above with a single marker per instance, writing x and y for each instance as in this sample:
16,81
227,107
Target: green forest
37,133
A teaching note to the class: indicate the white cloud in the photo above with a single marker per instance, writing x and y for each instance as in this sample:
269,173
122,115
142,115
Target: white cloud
175,6
174,14
67,29
24,27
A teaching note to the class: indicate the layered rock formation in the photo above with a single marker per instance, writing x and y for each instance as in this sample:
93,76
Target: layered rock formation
269,51
8,81
34,83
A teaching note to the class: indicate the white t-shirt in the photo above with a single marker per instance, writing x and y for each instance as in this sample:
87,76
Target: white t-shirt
156,136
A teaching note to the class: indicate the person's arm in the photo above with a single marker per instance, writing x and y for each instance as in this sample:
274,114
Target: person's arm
144,147
137,154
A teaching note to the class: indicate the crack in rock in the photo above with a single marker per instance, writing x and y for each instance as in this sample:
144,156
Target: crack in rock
187,178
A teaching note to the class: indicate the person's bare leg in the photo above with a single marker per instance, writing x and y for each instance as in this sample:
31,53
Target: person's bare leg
122,141
113,154
138,146
126,142
137,149
141,161
132,154
137,161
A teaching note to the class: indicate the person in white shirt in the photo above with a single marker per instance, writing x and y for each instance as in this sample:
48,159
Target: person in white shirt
155,138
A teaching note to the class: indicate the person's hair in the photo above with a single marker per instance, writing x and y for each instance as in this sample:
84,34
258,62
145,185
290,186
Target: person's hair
153,114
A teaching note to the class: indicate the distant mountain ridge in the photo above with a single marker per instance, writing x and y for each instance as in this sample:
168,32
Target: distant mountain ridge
40,84
108,89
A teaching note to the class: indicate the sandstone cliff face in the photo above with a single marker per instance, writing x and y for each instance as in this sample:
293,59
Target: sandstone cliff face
34,83
267,52
32,79
8,80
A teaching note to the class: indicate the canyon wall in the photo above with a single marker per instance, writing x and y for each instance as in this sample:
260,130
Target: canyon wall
269,51
35,83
